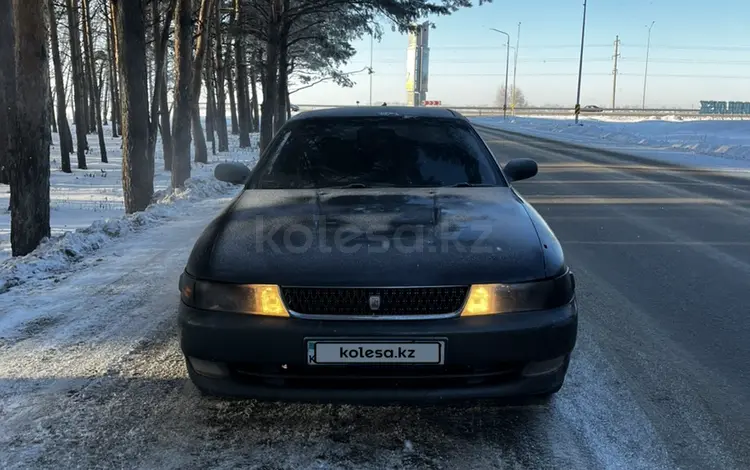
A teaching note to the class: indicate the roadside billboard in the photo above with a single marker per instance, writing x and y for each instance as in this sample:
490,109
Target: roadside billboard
417,64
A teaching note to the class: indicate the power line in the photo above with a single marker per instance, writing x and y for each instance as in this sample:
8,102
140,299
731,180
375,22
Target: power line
488,62
689,61
493,48
559,74
594,74
693,48
688,75
529,60
588,46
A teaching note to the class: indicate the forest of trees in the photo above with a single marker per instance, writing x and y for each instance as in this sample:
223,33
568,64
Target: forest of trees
136,68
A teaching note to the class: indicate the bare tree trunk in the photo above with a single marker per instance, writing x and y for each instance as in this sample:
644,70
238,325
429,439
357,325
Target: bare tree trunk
153,118
166,130
246,100
115,95
183,45
66,141
221,103
269,88
68,89
161,38
210,113
210,109
230,76
80,74
281,104
149,71
137,173
254,111
93,86
87,66
201,46
29,170
200,147
241,76
7,88
105,102
101,86
78,91
51,108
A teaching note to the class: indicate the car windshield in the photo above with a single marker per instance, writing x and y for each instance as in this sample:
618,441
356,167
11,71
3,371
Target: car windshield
377,152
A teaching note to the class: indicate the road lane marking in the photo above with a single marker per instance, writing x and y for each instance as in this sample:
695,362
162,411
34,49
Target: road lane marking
578,166
630,200
654,243
533,182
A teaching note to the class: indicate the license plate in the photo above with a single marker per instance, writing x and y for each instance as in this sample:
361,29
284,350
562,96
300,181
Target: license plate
375,352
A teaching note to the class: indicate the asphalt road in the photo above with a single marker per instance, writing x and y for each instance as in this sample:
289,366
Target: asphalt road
91,375
662,255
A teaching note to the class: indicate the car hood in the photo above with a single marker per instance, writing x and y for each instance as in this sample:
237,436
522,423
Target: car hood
369,237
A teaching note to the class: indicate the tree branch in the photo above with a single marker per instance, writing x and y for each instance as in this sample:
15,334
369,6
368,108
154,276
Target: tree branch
330,77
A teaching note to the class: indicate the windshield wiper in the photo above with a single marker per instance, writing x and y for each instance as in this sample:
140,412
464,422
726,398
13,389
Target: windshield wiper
469,185
362,186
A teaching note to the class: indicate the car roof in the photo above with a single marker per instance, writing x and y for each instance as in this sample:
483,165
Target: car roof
378,111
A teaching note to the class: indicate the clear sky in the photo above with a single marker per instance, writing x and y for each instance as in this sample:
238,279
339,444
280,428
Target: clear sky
700,49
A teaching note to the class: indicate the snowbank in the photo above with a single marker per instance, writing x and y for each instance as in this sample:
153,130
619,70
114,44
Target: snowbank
87,209
56,254
720,138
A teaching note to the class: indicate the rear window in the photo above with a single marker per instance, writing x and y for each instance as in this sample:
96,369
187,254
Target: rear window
377,152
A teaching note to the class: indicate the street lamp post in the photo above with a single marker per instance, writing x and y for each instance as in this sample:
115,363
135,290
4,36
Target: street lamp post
507,65
645,73
580,63
515,67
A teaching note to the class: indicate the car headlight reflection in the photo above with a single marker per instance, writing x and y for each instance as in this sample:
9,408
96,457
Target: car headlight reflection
252,299
492,299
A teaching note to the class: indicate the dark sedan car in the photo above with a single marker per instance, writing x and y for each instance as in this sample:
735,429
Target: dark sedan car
377,255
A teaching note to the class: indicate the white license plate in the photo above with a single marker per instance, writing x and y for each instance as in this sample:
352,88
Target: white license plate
369,352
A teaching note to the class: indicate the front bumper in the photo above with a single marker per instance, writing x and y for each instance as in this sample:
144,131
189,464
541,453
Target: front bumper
485,357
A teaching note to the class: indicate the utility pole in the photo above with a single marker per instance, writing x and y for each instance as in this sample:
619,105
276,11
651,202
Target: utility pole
515,69
580,63
507,65
645,73
370,71
614,81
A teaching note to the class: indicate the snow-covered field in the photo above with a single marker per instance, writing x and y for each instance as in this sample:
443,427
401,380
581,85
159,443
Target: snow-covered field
87,208
699,142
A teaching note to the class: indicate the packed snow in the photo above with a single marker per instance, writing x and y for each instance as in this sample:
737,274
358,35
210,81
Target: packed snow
87,208
92,375
699,142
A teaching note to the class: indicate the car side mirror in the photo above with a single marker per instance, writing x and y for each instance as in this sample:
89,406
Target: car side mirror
520,169
235,173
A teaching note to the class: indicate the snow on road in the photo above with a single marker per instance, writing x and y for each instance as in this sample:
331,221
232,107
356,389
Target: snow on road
91,376
705,143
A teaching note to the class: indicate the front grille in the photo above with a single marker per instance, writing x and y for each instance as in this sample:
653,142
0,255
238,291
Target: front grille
407,301
374,376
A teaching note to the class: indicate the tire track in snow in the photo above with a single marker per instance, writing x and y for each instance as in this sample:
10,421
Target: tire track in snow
107,388
148,415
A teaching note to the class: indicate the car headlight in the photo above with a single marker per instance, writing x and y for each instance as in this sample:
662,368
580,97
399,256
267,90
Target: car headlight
252,299
491,299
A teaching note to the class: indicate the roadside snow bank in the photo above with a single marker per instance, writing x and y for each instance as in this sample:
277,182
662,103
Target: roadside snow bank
57,254
728,139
